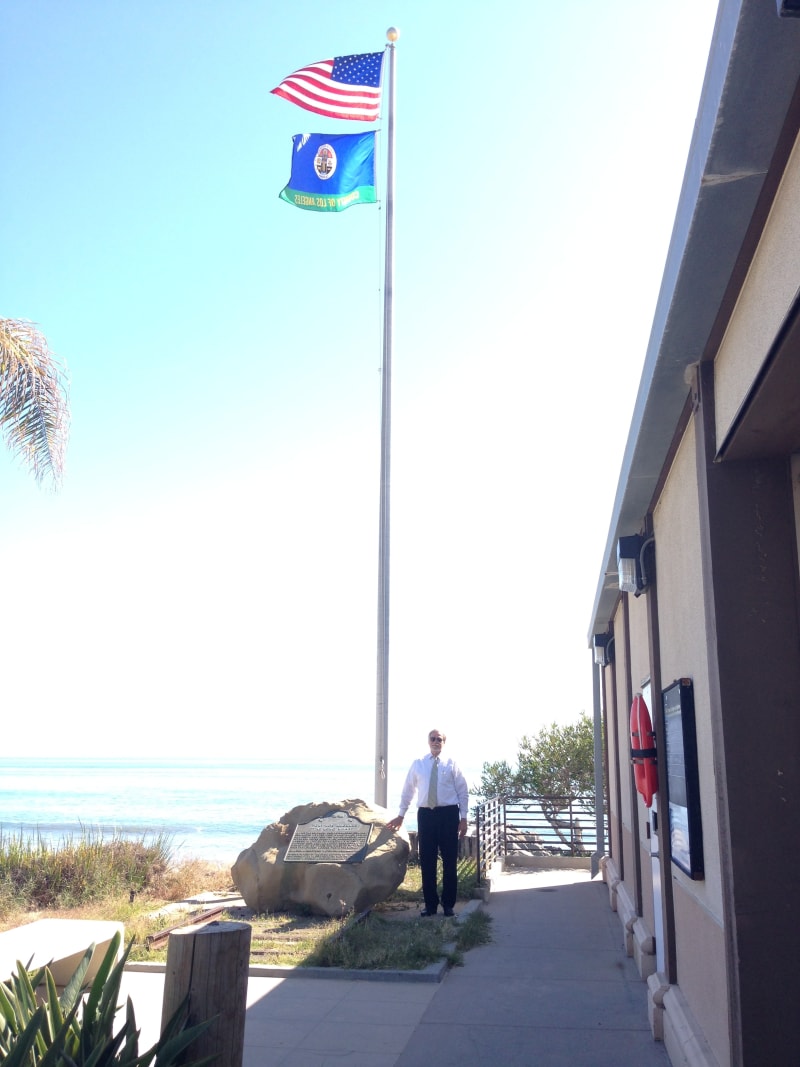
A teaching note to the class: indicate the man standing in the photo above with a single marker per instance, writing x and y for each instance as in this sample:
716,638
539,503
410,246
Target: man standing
443,799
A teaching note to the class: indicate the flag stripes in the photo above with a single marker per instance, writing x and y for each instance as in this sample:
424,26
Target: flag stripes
347,87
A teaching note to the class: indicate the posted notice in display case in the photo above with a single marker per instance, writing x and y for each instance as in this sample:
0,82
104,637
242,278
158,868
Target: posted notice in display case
683,779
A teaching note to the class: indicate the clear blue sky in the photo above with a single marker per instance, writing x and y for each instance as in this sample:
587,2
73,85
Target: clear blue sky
208,574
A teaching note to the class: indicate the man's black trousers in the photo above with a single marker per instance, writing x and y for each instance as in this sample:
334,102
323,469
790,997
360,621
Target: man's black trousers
437,832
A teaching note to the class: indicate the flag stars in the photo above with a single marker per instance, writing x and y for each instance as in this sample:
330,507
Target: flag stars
362,69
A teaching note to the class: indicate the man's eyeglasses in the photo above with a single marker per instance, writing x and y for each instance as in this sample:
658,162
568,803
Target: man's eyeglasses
439,739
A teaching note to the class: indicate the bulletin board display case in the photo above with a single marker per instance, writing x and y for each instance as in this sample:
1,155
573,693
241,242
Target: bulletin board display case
683,779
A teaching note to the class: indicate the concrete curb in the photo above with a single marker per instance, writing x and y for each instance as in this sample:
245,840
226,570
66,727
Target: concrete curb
469,908
434,972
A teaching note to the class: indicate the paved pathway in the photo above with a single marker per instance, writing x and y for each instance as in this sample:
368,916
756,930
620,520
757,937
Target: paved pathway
553,988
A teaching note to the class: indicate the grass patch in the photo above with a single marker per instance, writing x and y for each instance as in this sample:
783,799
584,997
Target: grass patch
78,870
286,940
377,944
474,930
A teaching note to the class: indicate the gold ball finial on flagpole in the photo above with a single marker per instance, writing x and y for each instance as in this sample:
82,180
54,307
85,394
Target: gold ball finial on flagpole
392,34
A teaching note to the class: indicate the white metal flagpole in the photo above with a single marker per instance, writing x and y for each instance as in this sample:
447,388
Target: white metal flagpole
382,700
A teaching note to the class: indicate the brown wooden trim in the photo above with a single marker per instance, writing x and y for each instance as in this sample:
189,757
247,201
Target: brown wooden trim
750,594
705,450
656,686
634,796
604,693
613,715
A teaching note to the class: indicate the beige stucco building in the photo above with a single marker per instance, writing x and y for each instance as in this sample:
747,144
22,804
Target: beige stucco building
706,883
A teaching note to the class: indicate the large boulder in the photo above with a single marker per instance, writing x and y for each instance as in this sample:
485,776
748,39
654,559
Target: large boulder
269,882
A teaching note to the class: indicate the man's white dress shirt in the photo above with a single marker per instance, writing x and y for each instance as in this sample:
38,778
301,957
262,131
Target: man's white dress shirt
452,786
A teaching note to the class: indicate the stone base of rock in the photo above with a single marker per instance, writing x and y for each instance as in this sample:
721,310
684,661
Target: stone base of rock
269,883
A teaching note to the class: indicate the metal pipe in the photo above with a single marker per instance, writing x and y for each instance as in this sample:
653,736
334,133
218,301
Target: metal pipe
382,697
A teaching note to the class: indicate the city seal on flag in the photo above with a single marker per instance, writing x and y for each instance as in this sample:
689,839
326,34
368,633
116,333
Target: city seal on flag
325,162
331,171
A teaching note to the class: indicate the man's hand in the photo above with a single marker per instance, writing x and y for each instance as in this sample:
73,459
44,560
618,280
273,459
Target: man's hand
395,823
462,828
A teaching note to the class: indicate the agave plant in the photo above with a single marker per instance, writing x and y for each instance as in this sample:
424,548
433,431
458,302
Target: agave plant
77,1028
34,406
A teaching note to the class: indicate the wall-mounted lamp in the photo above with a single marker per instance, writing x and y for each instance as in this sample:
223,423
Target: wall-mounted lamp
633,577
603,649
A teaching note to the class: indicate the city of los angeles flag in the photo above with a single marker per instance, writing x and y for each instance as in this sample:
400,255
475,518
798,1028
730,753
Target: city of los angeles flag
331,171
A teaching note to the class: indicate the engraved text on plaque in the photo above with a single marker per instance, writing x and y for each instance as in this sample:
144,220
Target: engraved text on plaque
335,838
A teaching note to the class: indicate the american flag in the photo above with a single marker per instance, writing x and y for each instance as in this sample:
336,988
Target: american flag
347,87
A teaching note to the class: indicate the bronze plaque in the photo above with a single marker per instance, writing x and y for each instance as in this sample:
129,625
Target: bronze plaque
335,838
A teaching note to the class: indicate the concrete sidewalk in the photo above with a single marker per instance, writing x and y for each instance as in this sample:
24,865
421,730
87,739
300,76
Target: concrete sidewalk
553,988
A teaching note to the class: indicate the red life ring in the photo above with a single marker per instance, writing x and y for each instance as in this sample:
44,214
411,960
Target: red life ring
643,750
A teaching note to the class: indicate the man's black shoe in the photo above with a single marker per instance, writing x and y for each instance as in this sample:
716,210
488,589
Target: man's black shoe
425,913
449,912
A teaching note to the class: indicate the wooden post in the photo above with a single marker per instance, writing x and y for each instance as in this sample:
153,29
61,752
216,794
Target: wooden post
210,963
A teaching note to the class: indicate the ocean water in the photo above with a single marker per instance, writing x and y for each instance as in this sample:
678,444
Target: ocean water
211,809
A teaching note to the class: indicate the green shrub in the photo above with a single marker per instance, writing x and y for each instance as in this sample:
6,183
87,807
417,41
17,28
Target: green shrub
76,1029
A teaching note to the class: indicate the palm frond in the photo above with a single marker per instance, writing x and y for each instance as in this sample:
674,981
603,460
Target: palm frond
34,400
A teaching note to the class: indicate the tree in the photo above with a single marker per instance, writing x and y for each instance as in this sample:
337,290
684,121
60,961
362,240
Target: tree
497,780
559,761
34,404
556,767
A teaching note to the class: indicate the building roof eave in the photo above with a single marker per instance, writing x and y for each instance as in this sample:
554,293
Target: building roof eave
752,73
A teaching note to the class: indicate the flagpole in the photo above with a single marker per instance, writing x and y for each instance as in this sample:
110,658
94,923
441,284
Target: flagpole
382,699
